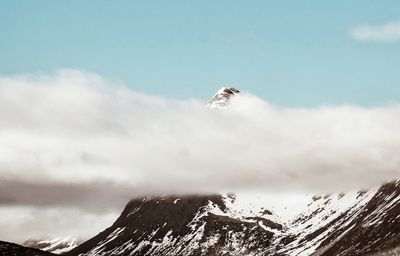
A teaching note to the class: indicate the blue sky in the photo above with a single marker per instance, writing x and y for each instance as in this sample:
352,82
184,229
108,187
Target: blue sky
291,53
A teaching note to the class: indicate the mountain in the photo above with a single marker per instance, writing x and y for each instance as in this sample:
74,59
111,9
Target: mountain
222,98
190,225
354,223
10,249
58,245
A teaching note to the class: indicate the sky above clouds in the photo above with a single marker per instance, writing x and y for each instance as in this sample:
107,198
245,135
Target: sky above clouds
299,53
102,102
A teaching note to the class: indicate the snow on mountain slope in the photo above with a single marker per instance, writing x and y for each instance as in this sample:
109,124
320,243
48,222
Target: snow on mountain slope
322,216
281,208
58,245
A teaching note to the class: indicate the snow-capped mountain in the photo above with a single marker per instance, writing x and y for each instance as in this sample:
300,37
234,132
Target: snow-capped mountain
190,225
58,245
354,223
222,98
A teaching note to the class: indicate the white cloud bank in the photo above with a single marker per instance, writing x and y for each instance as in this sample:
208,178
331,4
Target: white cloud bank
76,128
74,144
389,32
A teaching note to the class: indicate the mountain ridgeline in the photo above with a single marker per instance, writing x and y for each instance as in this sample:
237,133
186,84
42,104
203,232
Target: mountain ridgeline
346,224
359,223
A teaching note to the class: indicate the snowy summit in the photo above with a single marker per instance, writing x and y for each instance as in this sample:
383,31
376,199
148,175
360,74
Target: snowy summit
222,98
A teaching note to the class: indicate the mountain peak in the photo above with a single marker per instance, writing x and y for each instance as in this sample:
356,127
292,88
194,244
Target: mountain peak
57,245
222,98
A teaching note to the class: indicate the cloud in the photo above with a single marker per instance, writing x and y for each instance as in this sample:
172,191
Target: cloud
389,32
21,223
76,128
74,140
92,196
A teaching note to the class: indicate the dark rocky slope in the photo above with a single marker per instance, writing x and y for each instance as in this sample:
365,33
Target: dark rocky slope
376,228
10,249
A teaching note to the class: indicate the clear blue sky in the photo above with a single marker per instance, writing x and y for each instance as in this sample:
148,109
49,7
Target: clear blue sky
292,53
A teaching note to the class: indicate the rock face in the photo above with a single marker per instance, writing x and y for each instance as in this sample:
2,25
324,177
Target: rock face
357,223
10,249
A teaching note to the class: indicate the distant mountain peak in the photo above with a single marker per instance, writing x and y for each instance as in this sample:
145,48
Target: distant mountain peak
222,98
57,245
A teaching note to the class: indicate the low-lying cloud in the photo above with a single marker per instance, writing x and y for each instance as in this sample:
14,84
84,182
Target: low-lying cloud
22,223
75,128
388,32
75,144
